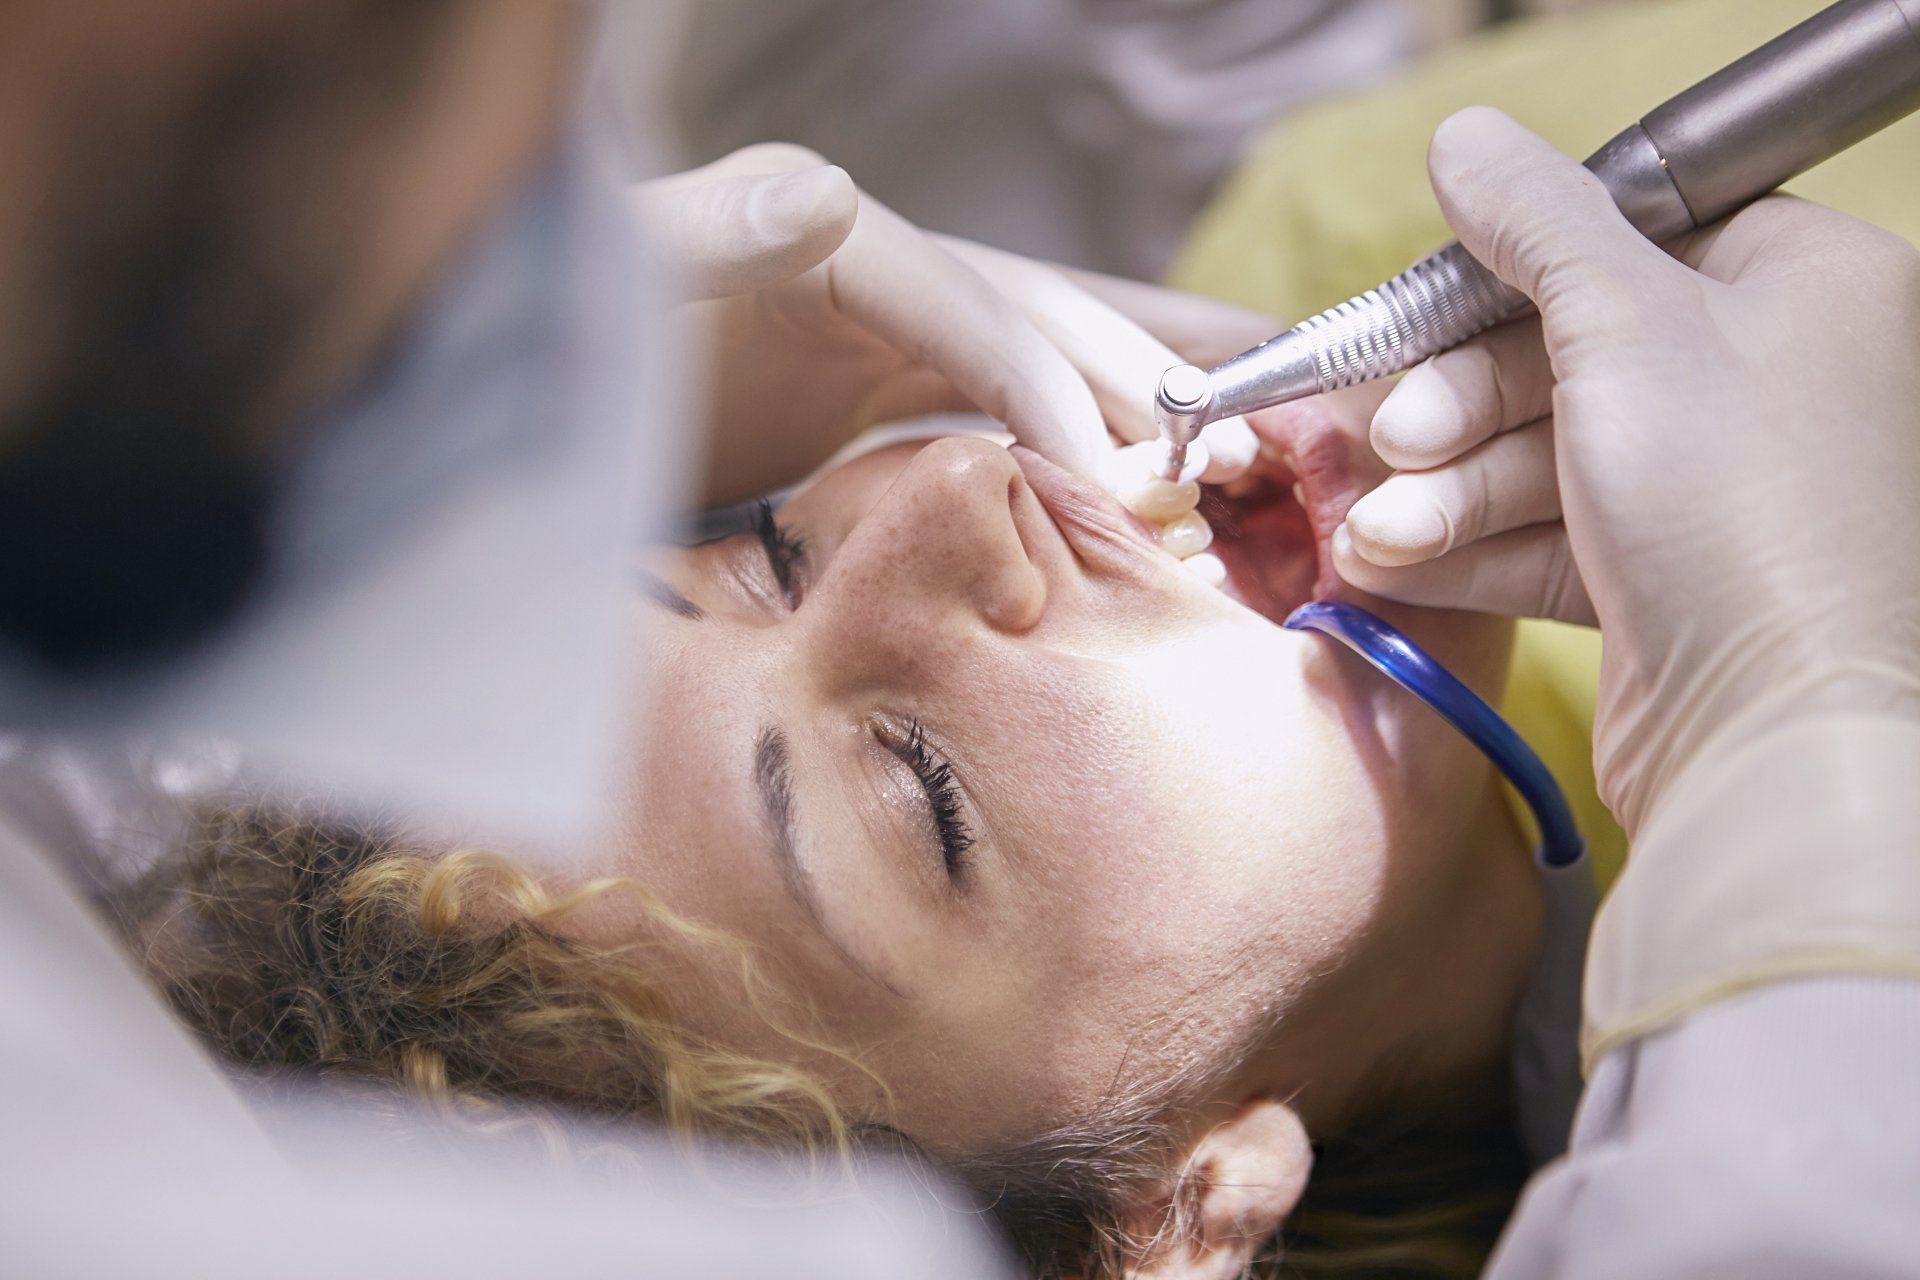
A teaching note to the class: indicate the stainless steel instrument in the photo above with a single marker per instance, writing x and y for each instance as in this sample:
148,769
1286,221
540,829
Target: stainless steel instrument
1842,75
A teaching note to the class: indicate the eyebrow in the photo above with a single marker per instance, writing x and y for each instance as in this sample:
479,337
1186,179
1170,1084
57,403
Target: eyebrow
773,779
664,594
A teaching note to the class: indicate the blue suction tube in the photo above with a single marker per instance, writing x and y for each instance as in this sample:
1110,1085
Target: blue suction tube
1410,667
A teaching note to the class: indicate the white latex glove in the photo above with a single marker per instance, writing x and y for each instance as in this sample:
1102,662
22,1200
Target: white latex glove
828,312
1121,361
1734,446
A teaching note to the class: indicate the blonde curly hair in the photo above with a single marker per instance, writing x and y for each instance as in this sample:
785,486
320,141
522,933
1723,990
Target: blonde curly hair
301,943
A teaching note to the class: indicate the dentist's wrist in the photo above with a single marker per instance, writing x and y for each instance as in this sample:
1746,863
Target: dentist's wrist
1792,851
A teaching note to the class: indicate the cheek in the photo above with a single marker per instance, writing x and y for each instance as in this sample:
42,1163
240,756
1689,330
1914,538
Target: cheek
1239,829
1101,869
1149,850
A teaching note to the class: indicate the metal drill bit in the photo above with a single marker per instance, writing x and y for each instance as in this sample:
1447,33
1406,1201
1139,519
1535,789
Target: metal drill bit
1180,408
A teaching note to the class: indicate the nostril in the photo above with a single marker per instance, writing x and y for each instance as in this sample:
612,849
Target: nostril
1020,495
962,526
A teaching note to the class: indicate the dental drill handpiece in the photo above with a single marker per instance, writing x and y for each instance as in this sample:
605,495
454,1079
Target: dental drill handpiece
1842,75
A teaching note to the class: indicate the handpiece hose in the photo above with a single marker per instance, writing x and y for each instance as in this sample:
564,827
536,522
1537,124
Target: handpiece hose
1842,75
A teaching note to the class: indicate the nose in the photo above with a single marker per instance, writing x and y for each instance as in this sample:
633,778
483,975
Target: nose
939,556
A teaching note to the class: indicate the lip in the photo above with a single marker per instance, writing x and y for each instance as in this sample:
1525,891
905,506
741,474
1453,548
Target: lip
1266,540
1265,536
1095,523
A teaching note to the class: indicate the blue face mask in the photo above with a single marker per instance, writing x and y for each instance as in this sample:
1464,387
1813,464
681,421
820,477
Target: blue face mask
424,603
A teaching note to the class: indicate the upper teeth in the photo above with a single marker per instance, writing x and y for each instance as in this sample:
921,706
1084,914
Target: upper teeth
1207,567
1135,479
1186,536
1184,531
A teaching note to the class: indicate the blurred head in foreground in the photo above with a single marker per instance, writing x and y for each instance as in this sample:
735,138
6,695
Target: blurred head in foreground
213,216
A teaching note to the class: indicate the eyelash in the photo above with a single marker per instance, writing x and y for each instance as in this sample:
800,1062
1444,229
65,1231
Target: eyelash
785,551
943,797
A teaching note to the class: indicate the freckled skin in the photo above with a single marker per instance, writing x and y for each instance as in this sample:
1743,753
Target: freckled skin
1186,821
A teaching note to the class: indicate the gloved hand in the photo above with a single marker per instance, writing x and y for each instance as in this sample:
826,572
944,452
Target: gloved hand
1716,459
827,312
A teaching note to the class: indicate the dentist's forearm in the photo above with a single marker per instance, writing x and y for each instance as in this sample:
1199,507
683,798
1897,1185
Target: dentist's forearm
1772,1136
1783,851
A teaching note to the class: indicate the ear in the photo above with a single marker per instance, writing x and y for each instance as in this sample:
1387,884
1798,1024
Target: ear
1246,1175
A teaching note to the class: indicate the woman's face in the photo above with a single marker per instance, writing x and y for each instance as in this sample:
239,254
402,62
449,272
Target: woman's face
1019,812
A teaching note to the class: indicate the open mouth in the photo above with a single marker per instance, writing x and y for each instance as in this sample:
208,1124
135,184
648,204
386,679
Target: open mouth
1271,532
1266,539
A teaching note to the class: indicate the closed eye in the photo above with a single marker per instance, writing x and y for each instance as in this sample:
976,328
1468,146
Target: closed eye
943,794
786,553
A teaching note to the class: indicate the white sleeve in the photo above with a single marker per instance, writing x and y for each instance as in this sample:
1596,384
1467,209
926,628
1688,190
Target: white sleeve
1773,1134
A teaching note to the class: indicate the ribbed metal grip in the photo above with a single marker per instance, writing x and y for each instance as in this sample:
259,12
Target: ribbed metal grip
1437,303
1849,70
